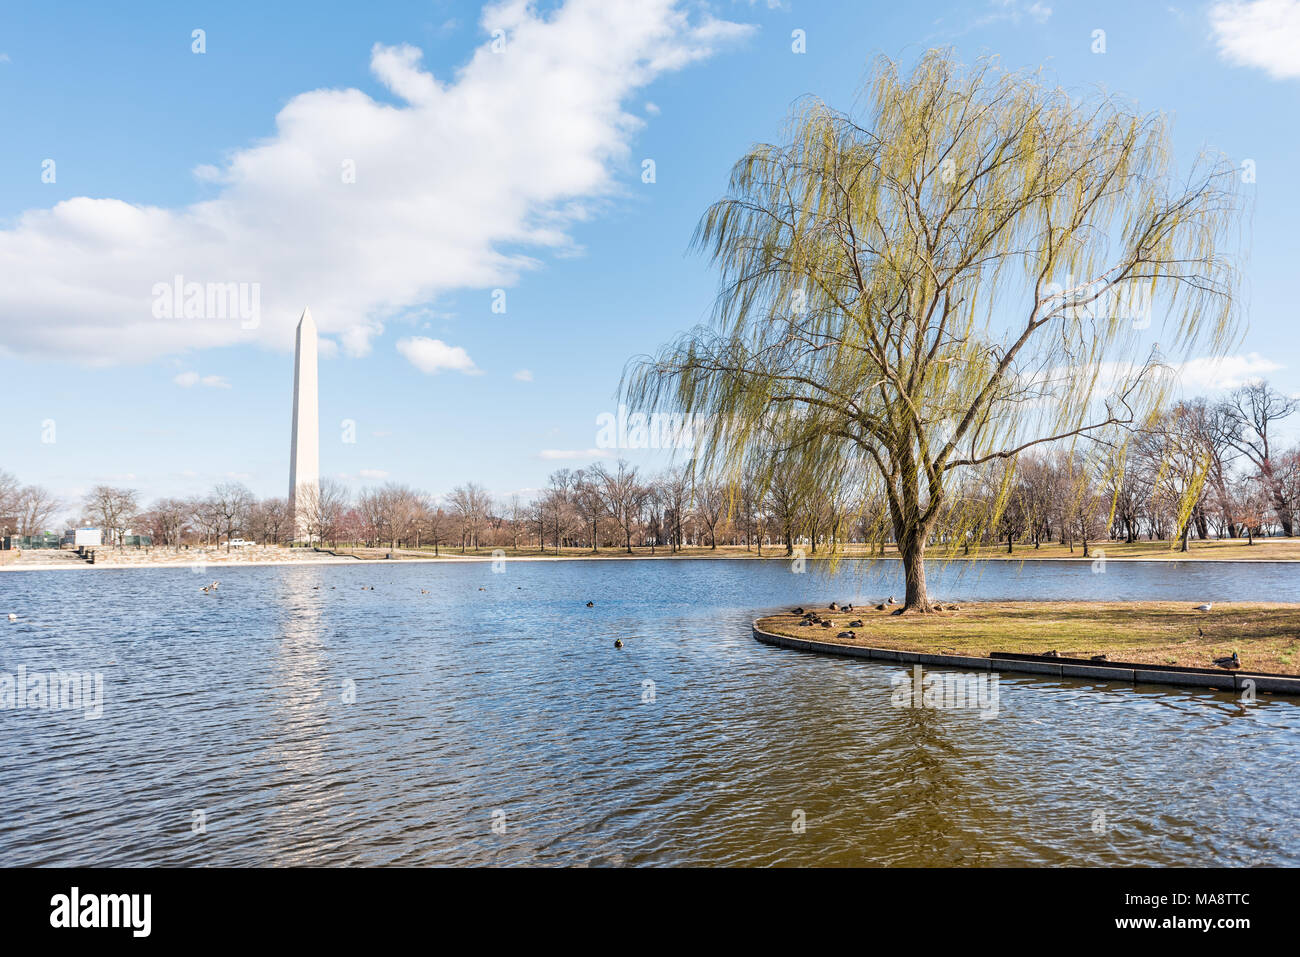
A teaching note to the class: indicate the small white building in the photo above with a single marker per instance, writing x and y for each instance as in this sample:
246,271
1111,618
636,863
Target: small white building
90,537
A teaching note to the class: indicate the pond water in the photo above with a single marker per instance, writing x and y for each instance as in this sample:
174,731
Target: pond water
453,715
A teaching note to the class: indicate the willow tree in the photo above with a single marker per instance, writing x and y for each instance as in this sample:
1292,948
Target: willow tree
963,273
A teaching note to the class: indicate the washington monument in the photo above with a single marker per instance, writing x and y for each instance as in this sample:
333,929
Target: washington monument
304,448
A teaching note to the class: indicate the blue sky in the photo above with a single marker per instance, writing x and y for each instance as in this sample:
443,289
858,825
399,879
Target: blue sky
474,171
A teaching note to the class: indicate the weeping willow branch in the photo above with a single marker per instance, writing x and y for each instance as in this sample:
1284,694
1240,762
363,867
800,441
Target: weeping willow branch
960,275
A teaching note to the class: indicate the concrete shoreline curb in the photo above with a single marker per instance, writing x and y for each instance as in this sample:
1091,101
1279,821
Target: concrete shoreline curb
1228,681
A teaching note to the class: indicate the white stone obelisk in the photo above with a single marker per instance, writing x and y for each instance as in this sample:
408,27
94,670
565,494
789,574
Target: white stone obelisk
304,449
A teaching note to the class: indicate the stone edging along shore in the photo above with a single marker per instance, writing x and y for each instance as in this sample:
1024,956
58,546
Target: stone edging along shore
1133,673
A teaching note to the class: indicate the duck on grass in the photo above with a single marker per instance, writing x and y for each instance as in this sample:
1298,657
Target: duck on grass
1257,636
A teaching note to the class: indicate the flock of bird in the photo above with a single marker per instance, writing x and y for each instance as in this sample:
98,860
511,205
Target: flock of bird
810,619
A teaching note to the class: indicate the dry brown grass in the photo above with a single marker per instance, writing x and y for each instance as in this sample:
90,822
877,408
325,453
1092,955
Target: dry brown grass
1265,636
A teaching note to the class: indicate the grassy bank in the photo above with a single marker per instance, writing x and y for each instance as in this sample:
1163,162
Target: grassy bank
1265,636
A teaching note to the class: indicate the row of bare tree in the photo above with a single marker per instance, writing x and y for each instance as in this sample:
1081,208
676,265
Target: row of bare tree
1203,469
600,506
25,509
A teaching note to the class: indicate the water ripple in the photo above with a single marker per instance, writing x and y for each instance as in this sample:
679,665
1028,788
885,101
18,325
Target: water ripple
509,706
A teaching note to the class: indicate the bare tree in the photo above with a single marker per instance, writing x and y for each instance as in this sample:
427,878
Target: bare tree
675,488
374,509
1252,410
557,502
1176,454
652,515
623,495
783,504
114,509
323,505
168,519
710,505
436,525
34,507
588,503
516,516
1286,473
1249,502
1085,505
9,489
392,514
272,519
469,503
206,519
231,502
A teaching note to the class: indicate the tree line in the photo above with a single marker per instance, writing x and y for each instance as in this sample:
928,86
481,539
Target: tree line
1202,469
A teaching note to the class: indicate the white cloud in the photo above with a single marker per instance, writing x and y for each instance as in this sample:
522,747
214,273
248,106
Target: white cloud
190,379
459,182
1191,377
431,356
1015,11
1229,372
575,453
524,375
1260,33
373,474
652,108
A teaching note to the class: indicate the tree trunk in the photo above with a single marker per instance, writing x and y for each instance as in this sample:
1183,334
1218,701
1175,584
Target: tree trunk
1279,500
915,597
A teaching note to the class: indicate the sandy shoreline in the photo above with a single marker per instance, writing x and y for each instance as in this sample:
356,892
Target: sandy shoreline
200,564
195,565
